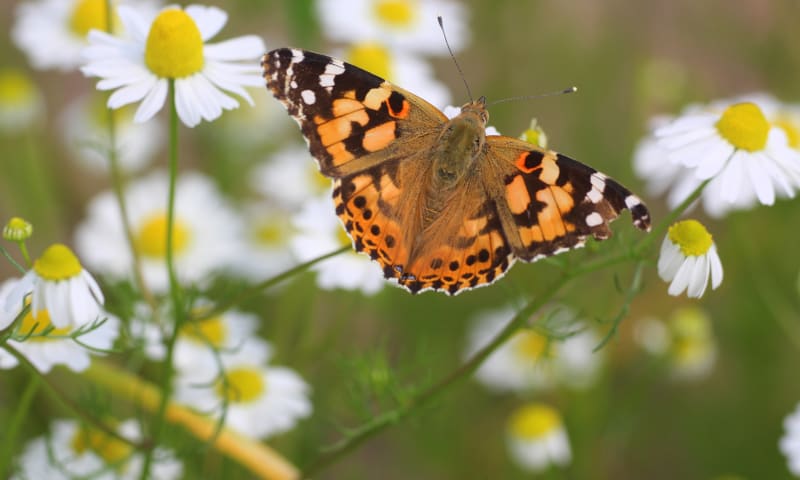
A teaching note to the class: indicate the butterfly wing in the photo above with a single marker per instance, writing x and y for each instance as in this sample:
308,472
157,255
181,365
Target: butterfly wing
549,203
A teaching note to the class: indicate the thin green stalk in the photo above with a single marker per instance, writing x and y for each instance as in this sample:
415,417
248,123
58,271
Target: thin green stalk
258,288
426,397
175,292
11,430
8,256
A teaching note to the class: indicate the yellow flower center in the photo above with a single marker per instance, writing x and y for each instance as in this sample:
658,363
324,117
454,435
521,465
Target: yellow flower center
244,384
744,126
792,130
535,135
88,15
690,322
272,231
152,238
372,58
396,13
530,345
36,326
209,331
15,88
17,230
174,45
57,263
112,450
534,421
691,237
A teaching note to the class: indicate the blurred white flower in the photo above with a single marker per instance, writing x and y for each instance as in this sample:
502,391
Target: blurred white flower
790,441
72,451
289,178
206,237
21,103
266,250
537,438
532,359
689,259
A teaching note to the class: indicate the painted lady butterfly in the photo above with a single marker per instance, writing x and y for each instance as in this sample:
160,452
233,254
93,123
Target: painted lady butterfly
435,201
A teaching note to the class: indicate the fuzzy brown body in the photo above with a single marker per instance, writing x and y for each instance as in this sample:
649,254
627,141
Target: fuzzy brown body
434,200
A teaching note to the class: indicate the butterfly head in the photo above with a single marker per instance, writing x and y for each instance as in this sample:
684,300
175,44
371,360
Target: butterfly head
477,108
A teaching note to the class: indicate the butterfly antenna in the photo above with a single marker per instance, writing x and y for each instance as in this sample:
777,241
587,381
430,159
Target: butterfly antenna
458,67
528,97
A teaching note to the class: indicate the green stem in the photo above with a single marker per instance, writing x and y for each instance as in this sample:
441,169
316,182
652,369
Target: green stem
11,259
426,397
258,288
11,431
176,295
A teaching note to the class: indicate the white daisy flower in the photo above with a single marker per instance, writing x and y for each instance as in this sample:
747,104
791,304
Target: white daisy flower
321,232
289,178
206,237
84,125
57,347
172,47
688,258
201,343
403,24
537,438
266,251
686,342
258,400
790,441
74,451
60,285
750,157
21,103
42,24
400,68
533,360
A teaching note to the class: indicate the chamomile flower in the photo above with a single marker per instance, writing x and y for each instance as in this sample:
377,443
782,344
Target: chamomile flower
685,342
45,345
320,232
172,46
688,259
266,251
85,130
21,102
537,438
748,156
533,360
399,67
289,178
76,451
257,400
790,441
60,285
403,24
206,235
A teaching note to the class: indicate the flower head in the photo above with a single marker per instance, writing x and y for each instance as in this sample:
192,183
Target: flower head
17,230
737,144
408,25
688,258
790,441
59,285
21,103
537,437
44,345
172,46
256,399
76,451
206,235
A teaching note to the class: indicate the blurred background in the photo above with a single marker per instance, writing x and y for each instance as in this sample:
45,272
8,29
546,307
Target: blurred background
639,415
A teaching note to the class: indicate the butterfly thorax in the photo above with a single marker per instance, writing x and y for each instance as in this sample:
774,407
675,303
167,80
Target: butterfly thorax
460,143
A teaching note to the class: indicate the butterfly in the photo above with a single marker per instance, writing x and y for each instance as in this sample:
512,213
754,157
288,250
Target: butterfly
435,201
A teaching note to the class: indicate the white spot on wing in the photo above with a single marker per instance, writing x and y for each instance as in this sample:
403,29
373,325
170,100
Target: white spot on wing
631,201
594,219
326,80
594,196
309,97
293,84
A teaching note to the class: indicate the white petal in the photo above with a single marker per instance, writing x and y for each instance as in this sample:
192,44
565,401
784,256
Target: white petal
136,26
699,280
57,298
716,267
131,93
153,102
760,180
715,159
187,103
732,179
669,260
247,47
209,20
682,278
14,300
